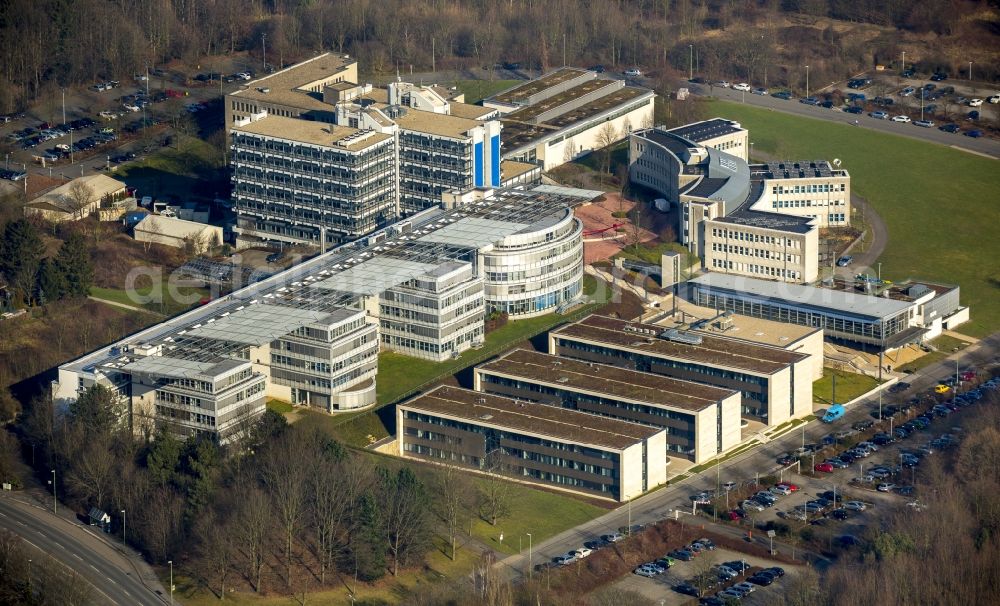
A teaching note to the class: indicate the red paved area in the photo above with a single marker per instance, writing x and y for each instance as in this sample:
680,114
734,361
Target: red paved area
598,216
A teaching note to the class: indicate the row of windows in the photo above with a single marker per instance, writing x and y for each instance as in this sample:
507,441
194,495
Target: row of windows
183,415
804,203
753,252
760,270
733,234
812,188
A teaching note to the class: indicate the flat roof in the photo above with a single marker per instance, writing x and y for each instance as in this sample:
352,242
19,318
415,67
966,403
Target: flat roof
560,424
814,297
521,92
436,124
284,84
511,169
183,369
611,381
471,112
713,351
311,132
257,324
796,169
530,112
707,129
748,328
675,144
613,99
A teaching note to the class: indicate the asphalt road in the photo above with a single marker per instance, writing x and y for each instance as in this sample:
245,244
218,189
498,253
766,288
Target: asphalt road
983,145
674,500
114,580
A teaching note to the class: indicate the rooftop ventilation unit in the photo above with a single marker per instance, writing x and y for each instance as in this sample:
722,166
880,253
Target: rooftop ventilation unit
680,337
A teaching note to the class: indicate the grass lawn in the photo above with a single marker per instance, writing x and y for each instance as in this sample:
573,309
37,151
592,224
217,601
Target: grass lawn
651,253
543,514
944,345
939,204
849,386
279,406
186,297
182,171
476,90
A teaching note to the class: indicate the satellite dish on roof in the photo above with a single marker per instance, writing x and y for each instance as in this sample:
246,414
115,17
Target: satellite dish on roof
836,162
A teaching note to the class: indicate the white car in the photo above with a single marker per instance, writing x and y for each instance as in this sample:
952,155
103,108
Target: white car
994,99
855,506
131,108
644,571
975,102
243,76
901,119
885,487
752,506
743,86
564,560
782,490
634,72
723,84
744,587
582,553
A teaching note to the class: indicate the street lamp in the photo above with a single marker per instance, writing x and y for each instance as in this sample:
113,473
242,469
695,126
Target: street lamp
530,569
171,562
690,62
970,71
807,81
903,68
54,505
123,527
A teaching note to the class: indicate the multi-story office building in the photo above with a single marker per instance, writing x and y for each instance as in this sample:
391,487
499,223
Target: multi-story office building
312,332
902,314
563,449
775,385
436,315
753,220
536,269
302,181
700,420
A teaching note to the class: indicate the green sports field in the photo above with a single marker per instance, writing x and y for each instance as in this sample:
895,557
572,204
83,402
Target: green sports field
941,205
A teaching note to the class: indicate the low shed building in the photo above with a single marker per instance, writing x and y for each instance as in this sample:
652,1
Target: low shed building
178,233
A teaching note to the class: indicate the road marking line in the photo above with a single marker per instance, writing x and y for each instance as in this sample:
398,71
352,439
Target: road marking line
79,558
94,567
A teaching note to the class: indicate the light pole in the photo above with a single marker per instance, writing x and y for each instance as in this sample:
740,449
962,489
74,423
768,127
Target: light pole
64,105
970,71
903,68
123,527
263,50
530,569
690,62
54,505
807,81
171,562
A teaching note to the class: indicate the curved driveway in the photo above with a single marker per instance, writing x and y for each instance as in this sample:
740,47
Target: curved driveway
983,145
112,576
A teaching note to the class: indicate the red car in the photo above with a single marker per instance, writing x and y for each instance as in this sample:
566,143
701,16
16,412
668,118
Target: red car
968,375
734,515
824,467
788,485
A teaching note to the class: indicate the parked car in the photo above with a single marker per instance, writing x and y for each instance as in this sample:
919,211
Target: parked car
940,76
761,579
564,560
844,261
880,115
784,94
582,552
645,571
743,86
633,72
614,537
975,134
855,506
824,467
854,109
901,118
759,91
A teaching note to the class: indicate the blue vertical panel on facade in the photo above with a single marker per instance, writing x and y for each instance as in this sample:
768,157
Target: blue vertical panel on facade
495,160
477,159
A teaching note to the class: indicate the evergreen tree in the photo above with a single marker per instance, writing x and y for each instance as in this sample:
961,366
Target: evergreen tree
51,282
20,254
367,549
74,261
99,410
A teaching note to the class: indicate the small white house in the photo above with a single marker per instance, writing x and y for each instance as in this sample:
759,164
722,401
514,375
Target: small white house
178,233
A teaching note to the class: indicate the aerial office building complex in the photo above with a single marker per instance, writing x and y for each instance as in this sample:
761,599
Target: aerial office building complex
564,449
700,420
759,220
311,334
775,385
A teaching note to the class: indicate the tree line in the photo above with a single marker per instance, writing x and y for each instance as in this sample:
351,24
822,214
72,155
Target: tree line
43,45
33,278
282,509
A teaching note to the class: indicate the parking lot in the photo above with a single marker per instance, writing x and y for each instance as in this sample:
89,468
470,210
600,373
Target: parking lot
660,588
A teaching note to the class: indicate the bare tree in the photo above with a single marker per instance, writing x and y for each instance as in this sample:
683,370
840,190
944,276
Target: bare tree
93,470
494,493
334,488
79,198
607,136
251,520
492,589
285,473
217,547
150,225
453,500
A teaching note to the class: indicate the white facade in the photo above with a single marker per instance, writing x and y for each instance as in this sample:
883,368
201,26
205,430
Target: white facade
533,272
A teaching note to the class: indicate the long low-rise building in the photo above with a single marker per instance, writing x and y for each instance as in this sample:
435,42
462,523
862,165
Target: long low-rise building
700,420
775,385
564,449
902,314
